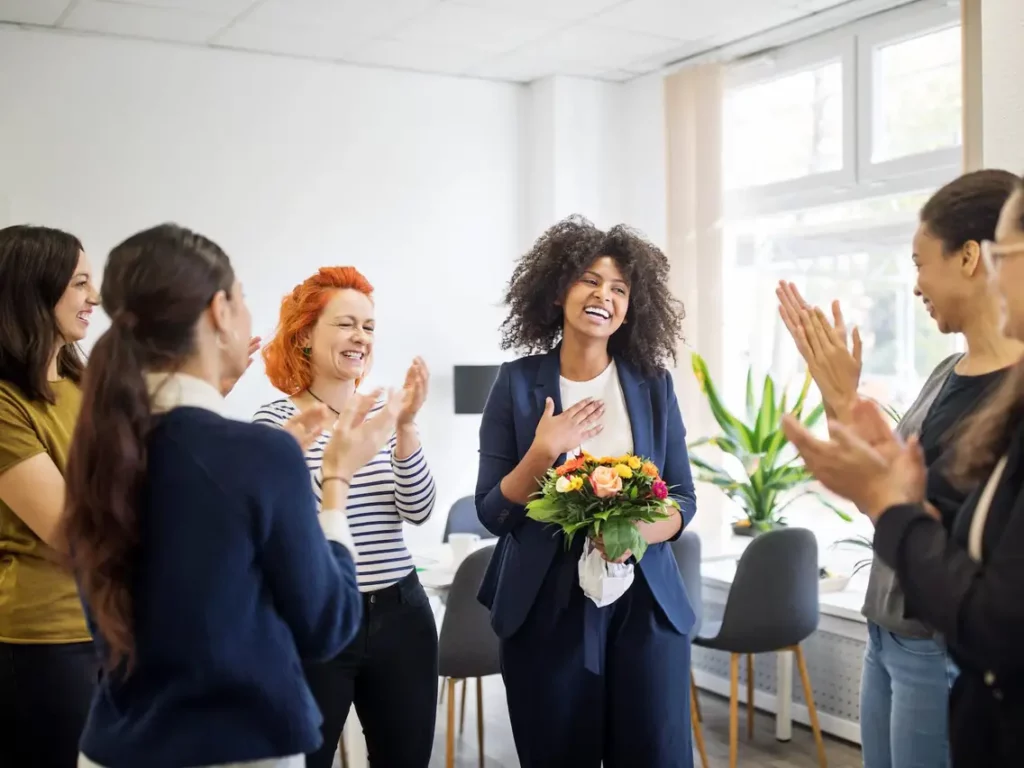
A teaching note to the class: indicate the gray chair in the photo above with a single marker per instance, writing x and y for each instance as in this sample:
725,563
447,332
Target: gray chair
772,606
462,518
687,553
467,646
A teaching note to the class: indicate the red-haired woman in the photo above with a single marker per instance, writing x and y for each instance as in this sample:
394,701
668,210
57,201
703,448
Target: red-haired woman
319,353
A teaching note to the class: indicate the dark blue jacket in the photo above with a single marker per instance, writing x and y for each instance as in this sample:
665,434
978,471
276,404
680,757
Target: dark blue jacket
234,588
527,548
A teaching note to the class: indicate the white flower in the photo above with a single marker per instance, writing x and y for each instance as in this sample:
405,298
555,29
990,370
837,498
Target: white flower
563,484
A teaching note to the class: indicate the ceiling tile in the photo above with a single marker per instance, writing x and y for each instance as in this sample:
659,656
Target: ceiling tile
598,47
445,59
140,21
561,10
328,29
486,30
225,8
682,19
32,11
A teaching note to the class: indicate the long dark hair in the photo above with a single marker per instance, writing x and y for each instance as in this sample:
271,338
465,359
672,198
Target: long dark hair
36,267
986,434
155,288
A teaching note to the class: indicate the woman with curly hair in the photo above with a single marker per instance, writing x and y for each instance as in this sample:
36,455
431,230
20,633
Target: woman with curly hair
587,685
318,356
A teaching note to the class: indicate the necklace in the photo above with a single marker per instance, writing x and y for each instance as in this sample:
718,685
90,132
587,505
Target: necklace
322,402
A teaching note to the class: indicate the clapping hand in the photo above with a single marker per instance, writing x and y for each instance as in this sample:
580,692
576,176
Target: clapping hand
414,391
356,439
306,426
864,461
227,384
834,366
568,430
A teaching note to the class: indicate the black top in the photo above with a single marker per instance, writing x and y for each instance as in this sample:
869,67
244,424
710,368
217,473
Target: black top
979,607
959,396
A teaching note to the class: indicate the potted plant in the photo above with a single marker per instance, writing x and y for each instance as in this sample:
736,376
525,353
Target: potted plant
767,475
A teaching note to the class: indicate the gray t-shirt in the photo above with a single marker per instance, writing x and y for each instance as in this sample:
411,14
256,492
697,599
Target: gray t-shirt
883,603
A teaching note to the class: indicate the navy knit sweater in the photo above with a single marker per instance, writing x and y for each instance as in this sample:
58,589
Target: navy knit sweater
235,586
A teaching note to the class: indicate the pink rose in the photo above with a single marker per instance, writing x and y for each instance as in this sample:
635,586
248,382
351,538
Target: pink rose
659,490
606,482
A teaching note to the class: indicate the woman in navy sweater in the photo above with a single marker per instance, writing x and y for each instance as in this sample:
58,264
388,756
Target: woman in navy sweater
206,575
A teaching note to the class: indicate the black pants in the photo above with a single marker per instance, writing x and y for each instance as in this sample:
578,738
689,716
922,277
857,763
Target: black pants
636,714
45,693
390,673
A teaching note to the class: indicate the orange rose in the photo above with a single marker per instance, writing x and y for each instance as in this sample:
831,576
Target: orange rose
605,482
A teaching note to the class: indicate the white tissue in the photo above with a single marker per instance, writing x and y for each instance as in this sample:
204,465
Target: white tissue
601,581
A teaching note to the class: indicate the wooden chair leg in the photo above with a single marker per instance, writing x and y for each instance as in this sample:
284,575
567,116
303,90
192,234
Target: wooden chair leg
450,737
734,710
462,710
440,695
480,718
750,696
698,730
693,698
812,711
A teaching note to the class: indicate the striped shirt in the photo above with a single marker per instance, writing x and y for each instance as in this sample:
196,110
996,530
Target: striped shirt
384,493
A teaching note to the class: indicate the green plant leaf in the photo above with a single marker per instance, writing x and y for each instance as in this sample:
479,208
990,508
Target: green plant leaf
733,427
751,405
842,515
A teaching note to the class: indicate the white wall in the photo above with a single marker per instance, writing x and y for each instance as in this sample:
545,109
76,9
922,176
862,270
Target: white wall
289,165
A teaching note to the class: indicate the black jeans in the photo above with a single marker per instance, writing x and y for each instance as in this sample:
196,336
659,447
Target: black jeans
45,693
390,673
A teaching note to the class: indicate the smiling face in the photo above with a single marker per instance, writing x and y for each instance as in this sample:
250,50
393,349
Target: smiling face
73,311
1008,266
342,339
950,284
596,304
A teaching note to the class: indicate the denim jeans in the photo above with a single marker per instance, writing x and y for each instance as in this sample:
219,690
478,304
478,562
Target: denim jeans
904,701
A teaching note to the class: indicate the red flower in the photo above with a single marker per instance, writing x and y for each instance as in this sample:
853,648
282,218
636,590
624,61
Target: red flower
659,490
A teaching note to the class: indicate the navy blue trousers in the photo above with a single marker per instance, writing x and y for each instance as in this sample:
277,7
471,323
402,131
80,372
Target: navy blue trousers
635,714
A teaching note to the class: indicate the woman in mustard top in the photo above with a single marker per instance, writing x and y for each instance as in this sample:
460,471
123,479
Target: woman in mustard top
47,664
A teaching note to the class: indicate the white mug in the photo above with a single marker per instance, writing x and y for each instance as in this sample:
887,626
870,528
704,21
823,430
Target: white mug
461,544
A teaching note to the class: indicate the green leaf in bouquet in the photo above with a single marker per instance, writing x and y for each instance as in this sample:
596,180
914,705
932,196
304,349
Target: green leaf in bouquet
620,535
544,509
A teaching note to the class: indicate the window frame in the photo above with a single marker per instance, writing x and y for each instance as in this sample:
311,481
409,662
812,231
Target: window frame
885,33
853,45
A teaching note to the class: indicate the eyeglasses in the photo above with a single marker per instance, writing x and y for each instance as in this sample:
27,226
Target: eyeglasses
993,253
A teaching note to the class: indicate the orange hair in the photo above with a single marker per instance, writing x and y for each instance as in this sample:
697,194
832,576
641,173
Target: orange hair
287,366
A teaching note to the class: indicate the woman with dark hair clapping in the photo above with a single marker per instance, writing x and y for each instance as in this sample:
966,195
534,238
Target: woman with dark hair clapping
967,582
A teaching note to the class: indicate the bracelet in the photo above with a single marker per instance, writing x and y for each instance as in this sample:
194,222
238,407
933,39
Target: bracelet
339,478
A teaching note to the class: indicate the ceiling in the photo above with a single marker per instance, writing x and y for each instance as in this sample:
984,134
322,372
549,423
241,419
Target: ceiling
514,40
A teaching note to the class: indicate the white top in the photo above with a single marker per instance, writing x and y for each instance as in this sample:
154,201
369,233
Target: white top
616,438
977,528
384,493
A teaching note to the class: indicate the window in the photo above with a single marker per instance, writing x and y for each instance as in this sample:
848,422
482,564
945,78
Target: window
830,149
785,128
917,95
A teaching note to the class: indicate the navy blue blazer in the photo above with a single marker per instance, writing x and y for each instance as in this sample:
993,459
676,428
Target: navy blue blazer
527,548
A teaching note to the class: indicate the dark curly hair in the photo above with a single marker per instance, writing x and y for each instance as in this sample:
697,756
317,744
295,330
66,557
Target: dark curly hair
543,276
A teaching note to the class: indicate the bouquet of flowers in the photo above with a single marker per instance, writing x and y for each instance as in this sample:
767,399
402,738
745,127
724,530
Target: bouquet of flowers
604,498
